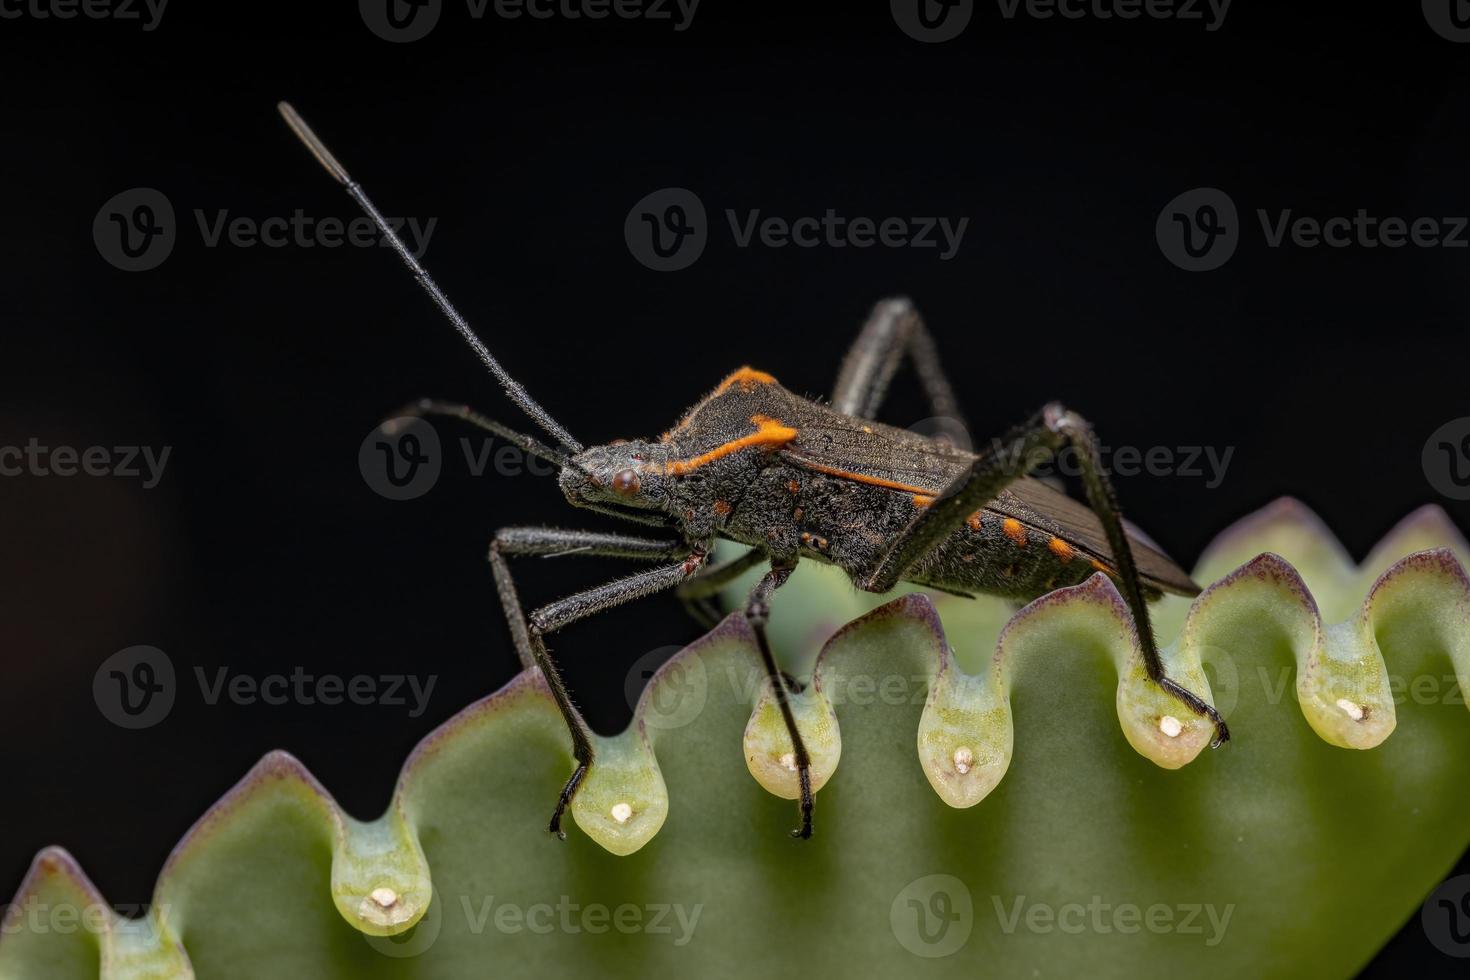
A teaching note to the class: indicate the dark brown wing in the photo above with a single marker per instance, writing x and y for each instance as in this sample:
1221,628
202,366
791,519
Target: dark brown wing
882,455
1037,503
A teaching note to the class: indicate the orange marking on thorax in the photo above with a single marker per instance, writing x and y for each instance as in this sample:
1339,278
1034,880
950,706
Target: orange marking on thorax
1014,530
723,508
769,434
1061,549
974,521
747,378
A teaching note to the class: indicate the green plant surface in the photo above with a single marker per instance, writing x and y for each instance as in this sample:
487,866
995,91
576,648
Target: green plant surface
1022,804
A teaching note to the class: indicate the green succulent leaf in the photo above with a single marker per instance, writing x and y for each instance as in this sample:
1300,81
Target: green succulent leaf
1000,793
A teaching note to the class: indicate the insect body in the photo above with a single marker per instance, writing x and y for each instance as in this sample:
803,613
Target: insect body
795,480
758,465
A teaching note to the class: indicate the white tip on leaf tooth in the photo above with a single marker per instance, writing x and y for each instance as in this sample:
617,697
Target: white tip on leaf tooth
1351,708
1170,726
770,755
963,759
384,898
621,812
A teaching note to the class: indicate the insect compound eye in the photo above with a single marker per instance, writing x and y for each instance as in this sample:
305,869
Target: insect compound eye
626,482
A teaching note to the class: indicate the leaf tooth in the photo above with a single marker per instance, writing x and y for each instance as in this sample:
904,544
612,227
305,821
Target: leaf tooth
769,753
623,802
966,734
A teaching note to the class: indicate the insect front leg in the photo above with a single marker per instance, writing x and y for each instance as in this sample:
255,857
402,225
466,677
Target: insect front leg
527,634
698,593
894,329
757,614
1011,457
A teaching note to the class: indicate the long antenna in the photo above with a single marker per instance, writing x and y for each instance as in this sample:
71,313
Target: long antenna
354,190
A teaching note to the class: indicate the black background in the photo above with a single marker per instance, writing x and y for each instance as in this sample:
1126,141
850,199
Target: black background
263,548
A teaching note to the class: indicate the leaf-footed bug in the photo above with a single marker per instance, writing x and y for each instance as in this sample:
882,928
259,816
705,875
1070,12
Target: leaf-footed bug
791,478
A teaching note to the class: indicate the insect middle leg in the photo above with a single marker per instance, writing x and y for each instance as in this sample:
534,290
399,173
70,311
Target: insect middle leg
893,330
698,593
757,614
527,634
1010,458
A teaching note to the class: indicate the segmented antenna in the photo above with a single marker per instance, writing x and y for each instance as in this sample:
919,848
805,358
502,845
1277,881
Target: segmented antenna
354,190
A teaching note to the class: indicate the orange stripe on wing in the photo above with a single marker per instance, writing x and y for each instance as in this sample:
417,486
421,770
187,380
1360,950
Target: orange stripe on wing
876,481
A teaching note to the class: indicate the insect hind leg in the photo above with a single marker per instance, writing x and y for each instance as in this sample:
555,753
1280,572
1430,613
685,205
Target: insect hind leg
1011,457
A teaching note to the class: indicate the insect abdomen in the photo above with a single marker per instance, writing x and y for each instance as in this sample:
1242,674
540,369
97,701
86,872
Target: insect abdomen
999,555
